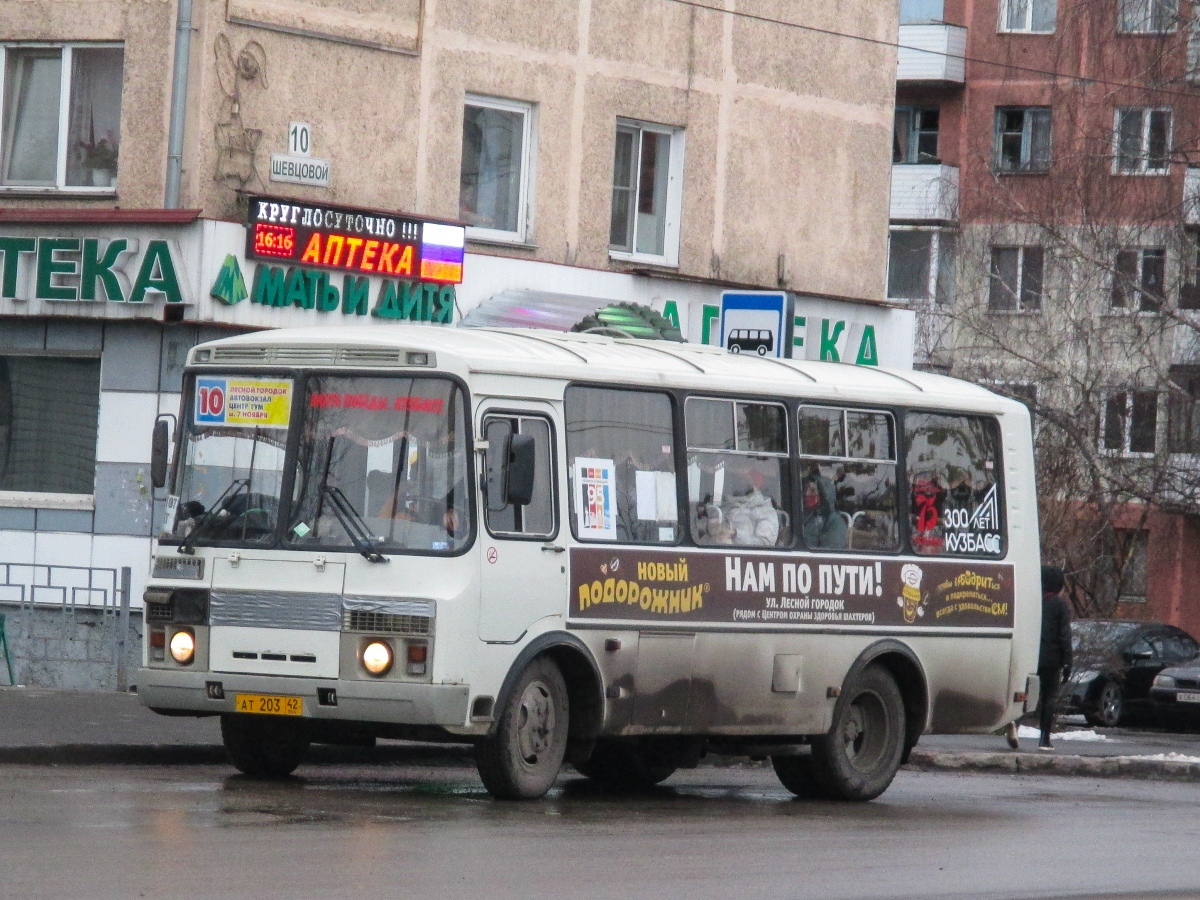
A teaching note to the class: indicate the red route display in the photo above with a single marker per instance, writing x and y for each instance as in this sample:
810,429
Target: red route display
377,403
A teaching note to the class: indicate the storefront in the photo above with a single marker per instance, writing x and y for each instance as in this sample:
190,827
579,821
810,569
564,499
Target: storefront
99,310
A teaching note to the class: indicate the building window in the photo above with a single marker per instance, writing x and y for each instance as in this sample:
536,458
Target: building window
49,409
921,265
1028,15
1189,288
61,125
647,192
920,12
1130,422
1143,141
495,184
1147,16
1183,410
1016,279
916,135
1131,549
1138,279
1023,139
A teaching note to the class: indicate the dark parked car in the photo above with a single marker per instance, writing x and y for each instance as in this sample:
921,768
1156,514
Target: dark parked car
1115,664
1175,693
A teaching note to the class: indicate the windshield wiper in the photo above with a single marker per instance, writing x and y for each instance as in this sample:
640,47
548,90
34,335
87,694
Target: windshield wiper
235,487
353,523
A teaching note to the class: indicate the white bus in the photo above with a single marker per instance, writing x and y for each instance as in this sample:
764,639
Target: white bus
620,554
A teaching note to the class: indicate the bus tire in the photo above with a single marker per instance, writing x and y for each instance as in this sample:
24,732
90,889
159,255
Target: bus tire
522,757
264,747
796,774
860,755
625,766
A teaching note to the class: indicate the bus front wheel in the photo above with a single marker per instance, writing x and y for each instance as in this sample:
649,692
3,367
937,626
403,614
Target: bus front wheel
264,747
521,758
860,755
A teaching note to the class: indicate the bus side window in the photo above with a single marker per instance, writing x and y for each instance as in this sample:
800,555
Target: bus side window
621,465
848,472
956,506
535,519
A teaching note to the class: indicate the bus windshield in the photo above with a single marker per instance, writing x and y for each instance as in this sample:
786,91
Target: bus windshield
382,461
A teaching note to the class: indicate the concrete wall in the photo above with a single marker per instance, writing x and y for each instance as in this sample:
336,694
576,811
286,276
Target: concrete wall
73,650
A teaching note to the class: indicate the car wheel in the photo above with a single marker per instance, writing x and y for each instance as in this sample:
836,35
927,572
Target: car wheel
264,747
1109,708
521,758
860,755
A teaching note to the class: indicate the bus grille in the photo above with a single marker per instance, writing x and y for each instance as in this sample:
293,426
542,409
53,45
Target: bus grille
385,623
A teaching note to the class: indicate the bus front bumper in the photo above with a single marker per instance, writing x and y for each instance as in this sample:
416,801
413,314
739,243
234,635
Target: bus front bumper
357,701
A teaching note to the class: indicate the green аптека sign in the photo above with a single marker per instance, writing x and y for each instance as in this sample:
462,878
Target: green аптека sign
276,286
89,271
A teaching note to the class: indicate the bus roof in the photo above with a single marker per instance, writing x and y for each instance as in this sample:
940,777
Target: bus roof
536,353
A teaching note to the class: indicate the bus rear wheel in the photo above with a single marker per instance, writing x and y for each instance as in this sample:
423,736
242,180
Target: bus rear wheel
522,756
626,766
860,755
264,747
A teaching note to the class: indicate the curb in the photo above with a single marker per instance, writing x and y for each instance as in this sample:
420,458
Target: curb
1018,763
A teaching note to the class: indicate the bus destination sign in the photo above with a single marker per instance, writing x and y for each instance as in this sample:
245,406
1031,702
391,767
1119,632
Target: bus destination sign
364,242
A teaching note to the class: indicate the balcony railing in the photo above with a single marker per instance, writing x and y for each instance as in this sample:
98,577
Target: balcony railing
932,54
924,193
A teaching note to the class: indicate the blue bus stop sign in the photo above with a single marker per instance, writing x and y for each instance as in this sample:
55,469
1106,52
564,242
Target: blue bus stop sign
756,322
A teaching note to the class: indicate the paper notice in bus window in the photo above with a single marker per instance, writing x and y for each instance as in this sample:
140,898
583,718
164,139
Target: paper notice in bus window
243,402
596,498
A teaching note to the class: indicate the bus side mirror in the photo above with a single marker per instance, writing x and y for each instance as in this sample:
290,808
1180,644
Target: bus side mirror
520,469
158,453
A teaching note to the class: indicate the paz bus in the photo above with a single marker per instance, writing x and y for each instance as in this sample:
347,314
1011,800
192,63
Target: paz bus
573,548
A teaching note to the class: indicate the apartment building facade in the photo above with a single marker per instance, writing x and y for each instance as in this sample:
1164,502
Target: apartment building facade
1043,222
573,155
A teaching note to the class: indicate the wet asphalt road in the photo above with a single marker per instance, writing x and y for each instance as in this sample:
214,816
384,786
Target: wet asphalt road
430,831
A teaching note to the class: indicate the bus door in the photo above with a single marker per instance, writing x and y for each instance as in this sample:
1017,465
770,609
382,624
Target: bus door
522,554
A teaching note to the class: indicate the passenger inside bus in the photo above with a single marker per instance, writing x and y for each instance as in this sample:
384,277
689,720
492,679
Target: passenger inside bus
825,526
747,509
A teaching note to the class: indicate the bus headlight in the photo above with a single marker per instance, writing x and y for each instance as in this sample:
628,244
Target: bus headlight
377,658
183,647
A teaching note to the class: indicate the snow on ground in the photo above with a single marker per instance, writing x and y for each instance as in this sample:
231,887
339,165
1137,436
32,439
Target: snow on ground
1166,757
1026,731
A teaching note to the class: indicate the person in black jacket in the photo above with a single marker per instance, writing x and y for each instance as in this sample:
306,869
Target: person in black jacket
1054,656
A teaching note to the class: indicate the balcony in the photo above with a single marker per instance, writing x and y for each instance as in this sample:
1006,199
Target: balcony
931,54
924,193
1191,195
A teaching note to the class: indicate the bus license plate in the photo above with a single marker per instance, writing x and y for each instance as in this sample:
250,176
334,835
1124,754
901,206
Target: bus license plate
269,704
1186,697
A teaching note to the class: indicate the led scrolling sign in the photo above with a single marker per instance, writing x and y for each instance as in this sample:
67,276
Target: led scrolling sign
364,242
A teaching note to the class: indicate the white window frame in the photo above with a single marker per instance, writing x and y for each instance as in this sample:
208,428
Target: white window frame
1137,292
937,254
674,207
1127,431
528,172
1144,150
1026,165
1003,27
64,110
1018,307
1146,16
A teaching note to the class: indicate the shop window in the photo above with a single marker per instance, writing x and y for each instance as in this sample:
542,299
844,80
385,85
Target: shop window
921,265
1028,15
915,139
48,418
1142,138
848,479
47,87
495,184
1131,551
1183,410
1022,139
955,503
920,12
620,449
1138,282
1016,279
647,194
535,519
1147,16
1130,422
738,488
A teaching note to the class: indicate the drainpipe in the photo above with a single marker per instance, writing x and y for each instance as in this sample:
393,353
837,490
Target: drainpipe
183,45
